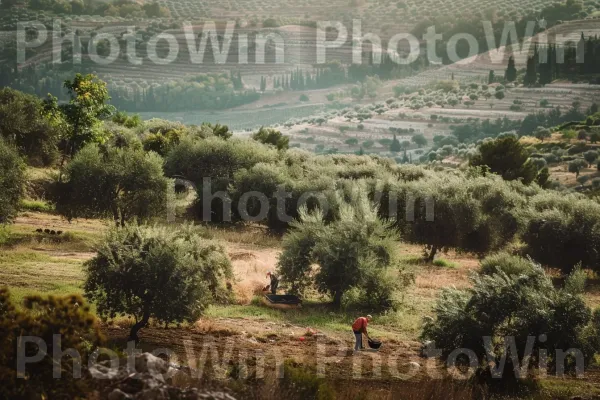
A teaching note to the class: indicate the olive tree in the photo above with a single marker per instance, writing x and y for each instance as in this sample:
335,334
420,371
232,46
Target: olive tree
500,308
170,275
123,183
563,230
353,252
12,181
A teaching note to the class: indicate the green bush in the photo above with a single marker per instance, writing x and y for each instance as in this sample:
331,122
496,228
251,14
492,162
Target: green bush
353,252
563,231
12,181
43,318
506,157
121,183
36,206
170,275
501,307
302,382
24,123
507,263
218,160
272,137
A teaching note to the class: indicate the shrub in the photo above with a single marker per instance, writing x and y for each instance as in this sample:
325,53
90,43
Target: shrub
302,382
563,231
304,97
162,143
507,263
270,23
590,156
218,160
24,123
12,181
440,262
576,166
507,157
504,308
121,183
353,252
272,137
154,272
43,317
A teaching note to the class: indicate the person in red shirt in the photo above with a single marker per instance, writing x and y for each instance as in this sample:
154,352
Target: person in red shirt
359,327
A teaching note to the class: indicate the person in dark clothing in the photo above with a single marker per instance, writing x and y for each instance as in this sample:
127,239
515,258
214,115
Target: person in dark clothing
274,282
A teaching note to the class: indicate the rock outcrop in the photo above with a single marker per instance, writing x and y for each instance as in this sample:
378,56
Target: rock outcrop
145,376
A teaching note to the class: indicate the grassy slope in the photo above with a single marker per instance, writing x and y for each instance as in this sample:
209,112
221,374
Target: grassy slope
33,263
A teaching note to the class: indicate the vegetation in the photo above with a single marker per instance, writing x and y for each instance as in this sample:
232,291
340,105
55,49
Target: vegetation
23,123
123,183
12,181
507,157
521,304
152,272
354,254
42,318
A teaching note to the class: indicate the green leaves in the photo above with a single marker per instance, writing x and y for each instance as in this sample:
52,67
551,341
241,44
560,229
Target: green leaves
171,275
12,181
514,306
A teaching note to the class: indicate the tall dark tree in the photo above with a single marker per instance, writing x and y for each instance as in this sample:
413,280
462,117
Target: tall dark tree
530,77
511,70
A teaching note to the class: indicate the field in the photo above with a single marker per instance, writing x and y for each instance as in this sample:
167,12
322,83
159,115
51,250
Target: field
38,263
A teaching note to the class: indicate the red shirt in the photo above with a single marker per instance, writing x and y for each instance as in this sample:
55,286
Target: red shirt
360,325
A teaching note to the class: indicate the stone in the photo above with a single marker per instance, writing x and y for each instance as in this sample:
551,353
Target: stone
118,394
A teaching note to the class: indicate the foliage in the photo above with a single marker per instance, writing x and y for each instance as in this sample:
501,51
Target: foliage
419,140
12,181
576,166
563,231
43,318
82,114
590,156
272,137
170,275
23,123
502,307
119,182
507,263
162,142
506,157
542,133
217,160
353,252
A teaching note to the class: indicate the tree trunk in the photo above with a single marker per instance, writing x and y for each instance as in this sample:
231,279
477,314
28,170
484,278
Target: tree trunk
432,253
139,325
337,299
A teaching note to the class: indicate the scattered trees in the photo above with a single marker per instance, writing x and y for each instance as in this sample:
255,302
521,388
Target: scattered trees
170,275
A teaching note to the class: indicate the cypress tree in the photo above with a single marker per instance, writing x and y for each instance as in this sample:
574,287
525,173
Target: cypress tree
531,74
511,70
